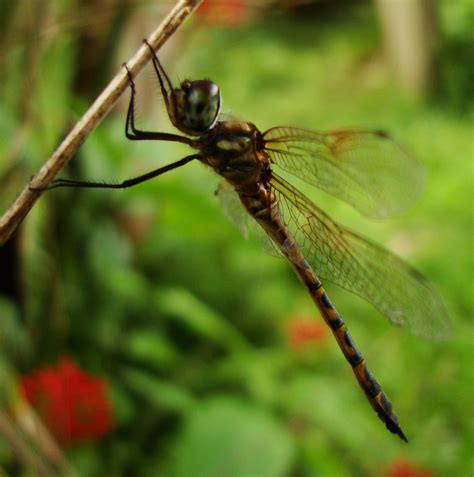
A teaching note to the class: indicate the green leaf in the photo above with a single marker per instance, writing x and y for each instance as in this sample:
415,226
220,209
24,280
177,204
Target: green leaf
151,348
14,339
200,317
226,437
163,394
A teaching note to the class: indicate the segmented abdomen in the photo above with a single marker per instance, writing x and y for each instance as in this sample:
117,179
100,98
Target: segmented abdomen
267,213
372,389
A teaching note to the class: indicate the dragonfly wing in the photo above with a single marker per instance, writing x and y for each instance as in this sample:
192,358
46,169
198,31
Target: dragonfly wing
232,207
364,168
235,212
362,267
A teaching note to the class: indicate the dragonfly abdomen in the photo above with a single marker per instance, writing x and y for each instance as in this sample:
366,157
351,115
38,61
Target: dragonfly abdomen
266,211
372,389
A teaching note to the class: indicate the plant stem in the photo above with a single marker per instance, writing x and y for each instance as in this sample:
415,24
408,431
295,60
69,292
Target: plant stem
24,453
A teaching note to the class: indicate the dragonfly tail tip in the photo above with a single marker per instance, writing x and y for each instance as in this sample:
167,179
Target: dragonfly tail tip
401,434
393,426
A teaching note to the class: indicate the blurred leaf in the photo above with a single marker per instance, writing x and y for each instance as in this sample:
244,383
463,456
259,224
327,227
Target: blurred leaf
321,460
86,460
10,393
258,370
225,437
124,406
14,339
151,348
115,255
336,410
162,394
200,317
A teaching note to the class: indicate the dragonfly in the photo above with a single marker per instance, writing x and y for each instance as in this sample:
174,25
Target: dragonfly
364,168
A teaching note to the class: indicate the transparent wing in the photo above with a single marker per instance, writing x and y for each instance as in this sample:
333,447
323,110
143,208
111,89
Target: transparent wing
360,266
364,168
235,212
233,208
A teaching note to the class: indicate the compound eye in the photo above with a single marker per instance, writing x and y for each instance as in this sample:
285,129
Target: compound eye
203,101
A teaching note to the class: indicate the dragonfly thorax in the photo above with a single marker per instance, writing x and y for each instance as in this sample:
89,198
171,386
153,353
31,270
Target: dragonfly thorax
195,106
234,150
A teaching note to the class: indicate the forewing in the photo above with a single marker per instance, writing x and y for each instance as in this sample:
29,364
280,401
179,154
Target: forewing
360,266
364,168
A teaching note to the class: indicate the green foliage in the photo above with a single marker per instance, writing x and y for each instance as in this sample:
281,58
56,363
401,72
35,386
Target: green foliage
227,437
154,289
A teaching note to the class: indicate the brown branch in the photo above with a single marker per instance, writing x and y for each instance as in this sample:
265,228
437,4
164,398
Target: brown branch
24,453
101,106
32,426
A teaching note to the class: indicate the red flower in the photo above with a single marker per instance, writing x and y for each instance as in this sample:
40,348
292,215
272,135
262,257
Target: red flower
302,330
404,468
222,12
73,404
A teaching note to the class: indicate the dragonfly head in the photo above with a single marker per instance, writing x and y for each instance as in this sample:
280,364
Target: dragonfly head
195,106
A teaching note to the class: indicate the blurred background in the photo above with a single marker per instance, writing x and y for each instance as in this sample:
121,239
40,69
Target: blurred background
141,334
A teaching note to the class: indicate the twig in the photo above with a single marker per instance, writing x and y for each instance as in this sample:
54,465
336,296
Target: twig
101,106
32,426
24,453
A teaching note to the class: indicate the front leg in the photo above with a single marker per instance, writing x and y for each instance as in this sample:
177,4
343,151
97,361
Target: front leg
135,134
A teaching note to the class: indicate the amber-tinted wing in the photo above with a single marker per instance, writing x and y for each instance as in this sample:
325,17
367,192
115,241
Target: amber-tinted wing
364,168
360,266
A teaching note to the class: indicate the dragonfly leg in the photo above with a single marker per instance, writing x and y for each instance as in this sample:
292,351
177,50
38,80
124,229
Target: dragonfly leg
121,185
160,73
135,134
